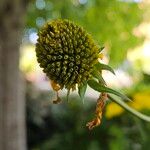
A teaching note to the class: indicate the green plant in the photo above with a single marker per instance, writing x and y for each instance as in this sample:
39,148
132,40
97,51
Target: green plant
70,58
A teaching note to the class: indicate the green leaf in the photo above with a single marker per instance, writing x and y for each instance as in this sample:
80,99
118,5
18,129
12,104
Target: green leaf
96,74
82,90
101,48
101,66
130,109
101,88
68,93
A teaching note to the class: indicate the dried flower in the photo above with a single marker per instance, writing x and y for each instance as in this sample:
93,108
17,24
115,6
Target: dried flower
69,57
66,52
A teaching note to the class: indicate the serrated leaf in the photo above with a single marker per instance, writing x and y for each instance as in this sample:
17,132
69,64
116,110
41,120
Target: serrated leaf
101,88
82,90
96,74
130,109
101,66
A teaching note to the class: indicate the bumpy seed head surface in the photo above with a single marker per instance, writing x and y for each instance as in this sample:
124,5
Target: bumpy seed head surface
66,52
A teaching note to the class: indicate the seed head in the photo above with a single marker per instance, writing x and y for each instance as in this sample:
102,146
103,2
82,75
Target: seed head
66,52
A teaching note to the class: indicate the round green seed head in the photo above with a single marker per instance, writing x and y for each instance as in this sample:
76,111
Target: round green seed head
66,52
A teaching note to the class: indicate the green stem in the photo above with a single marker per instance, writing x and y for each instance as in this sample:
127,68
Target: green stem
129,109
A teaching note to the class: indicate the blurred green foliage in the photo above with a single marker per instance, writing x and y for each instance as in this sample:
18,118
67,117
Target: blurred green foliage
111,22
62,127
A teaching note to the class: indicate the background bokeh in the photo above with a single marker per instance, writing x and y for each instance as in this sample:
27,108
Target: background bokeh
123,28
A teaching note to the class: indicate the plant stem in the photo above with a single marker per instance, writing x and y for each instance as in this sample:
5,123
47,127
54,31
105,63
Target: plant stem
129,109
